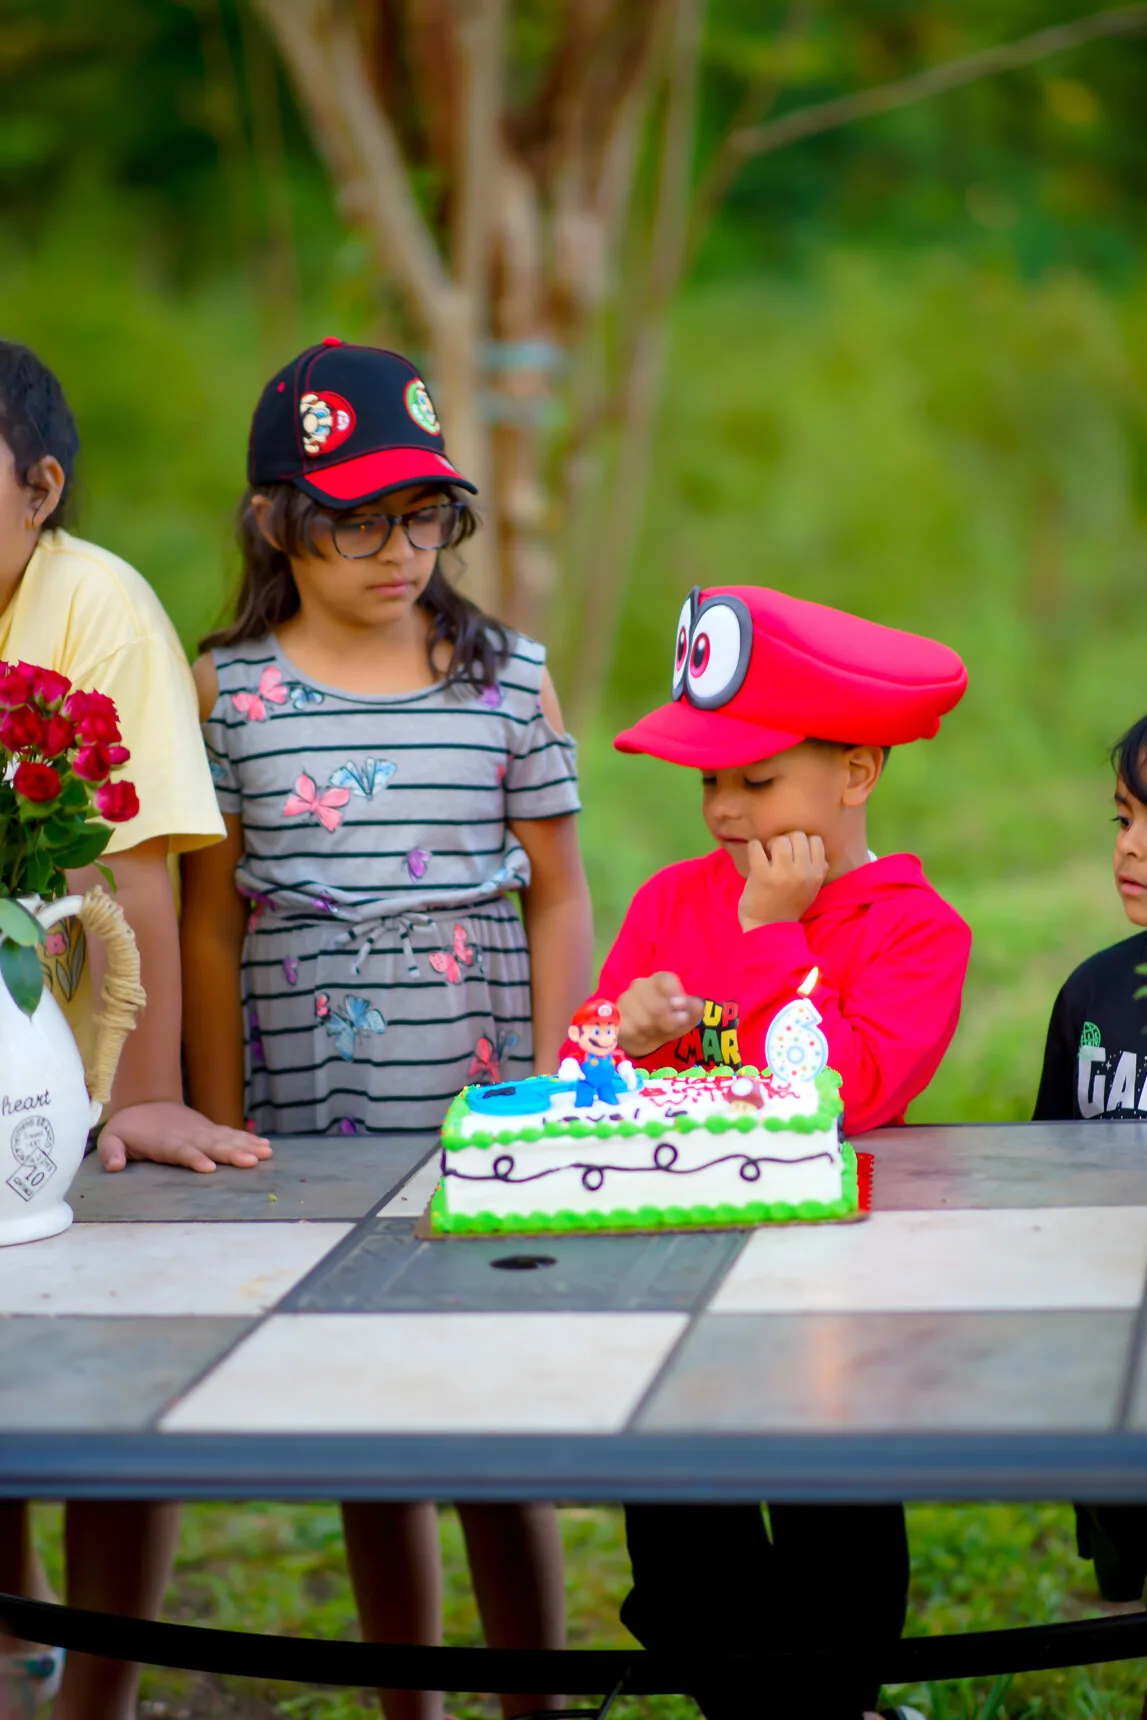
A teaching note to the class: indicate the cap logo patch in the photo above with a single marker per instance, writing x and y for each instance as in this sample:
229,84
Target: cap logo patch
327,421
420,406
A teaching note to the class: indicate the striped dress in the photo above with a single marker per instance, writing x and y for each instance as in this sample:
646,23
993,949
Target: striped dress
384,965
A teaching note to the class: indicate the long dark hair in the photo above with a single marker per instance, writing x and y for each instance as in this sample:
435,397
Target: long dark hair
268,595
1127,757
35,420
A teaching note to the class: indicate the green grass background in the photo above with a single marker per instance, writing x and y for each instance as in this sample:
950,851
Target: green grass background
933,442
279,1569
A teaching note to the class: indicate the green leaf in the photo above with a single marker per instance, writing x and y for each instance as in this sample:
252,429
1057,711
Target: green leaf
59,830
21,972
107,875
86,844
17,923
35,811
40,875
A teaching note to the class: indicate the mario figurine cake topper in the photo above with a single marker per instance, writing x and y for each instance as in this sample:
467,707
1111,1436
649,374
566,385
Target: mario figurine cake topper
602,1072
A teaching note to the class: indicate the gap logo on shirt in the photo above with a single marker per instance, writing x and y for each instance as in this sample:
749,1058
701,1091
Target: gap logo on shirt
1108,1083
714,1039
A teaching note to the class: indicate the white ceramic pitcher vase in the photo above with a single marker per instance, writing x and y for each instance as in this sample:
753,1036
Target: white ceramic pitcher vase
47,1102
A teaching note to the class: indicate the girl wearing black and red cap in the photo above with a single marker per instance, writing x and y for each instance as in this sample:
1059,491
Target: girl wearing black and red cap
392,768
787,710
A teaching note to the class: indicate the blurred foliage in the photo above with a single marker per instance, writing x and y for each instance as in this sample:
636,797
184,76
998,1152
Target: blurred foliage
908,377
176,108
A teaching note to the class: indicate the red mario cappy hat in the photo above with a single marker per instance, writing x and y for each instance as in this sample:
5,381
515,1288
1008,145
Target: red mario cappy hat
756,672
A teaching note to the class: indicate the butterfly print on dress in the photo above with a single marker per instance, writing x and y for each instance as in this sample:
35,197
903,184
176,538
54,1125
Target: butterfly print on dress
326,807
487,1063
362,779
253,706
449,963
305,698
356,1016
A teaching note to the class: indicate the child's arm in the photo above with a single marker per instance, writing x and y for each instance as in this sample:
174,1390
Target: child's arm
147,1118
655,1007
559,930
557,914
213,925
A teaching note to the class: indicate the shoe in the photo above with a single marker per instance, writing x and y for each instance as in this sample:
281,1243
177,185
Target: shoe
28,1680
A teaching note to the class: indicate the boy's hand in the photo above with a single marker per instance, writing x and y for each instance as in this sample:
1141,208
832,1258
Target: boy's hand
784,879
654,1010
173,1134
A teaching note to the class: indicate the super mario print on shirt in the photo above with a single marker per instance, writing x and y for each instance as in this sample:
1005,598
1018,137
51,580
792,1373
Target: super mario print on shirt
1095,1060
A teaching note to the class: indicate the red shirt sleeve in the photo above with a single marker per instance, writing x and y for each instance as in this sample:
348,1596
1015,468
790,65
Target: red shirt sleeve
886,1037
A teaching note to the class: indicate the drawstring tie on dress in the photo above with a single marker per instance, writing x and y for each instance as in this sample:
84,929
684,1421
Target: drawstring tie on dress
368,931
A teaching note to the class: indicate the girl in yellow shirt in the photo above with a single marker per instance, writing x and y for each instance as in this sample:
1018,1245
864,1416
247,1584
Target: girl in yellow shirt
68,606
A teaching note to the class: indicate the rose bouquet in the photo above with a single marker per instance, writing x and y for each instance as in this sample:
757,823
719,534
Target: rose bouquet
59,751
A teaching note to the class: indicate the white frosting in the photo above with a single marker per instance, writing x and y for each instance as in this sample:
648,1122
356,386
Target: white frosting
656,1098
701,1168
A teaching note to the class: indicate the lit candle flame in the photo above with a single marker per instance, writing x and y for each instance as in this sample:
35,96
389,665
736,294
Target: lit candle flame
808,984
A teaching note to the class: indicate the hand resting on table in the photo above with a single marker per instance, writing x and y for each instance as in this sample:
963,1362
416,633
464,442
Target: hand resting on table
169,1133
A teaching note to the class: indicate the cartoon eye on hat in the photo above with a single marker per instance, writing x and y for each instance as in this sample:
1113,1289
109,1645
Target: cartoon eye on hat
711,654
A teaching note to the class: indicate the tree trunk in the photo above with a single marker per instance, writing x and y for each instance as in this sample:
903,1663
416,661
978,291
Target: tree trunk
606,574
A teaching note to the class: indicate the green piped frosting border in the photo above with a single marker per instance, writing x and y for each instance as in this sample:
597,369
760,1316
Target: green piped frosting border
574,1128
726,1217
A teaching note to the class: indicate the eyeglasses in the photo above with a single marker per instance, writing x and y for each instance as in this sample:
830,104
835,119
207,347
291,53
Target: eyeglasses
432,527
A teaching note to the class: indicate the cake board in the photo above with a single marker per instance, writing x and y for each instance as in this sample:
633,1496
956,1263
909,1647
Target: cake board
425,1232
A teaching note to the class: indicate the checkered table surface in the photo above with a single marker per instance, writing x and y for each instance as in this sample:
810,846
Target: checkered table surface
282,1333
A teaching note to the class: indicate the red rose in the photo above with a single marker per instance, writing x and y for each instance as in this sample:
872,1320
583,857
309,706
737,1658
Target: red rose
15,686
21,729
38,782
59,735
94,715
46,684
118,756
116,801
92,764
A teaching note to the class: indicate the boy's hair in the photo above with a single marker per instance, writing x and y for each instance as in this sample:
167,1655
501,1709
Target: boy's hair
35,420
847,746
268,595
1127,757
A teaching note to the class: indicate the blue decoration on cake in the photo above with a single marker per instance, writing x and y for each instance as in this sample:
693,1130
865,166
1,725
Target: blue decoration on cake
517,1098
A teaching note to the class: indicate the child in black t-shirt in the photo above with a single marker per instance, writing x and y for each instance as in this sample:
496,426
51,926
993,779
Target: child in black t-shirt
1095,1065
1095,1062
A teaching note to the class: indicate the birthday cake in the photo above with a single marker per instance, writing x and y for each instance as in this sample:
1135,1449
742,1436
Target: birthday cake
673,1150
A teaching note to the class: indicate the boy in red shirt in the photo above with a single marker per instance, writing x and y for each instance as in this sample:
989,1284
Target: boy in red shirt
787,709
